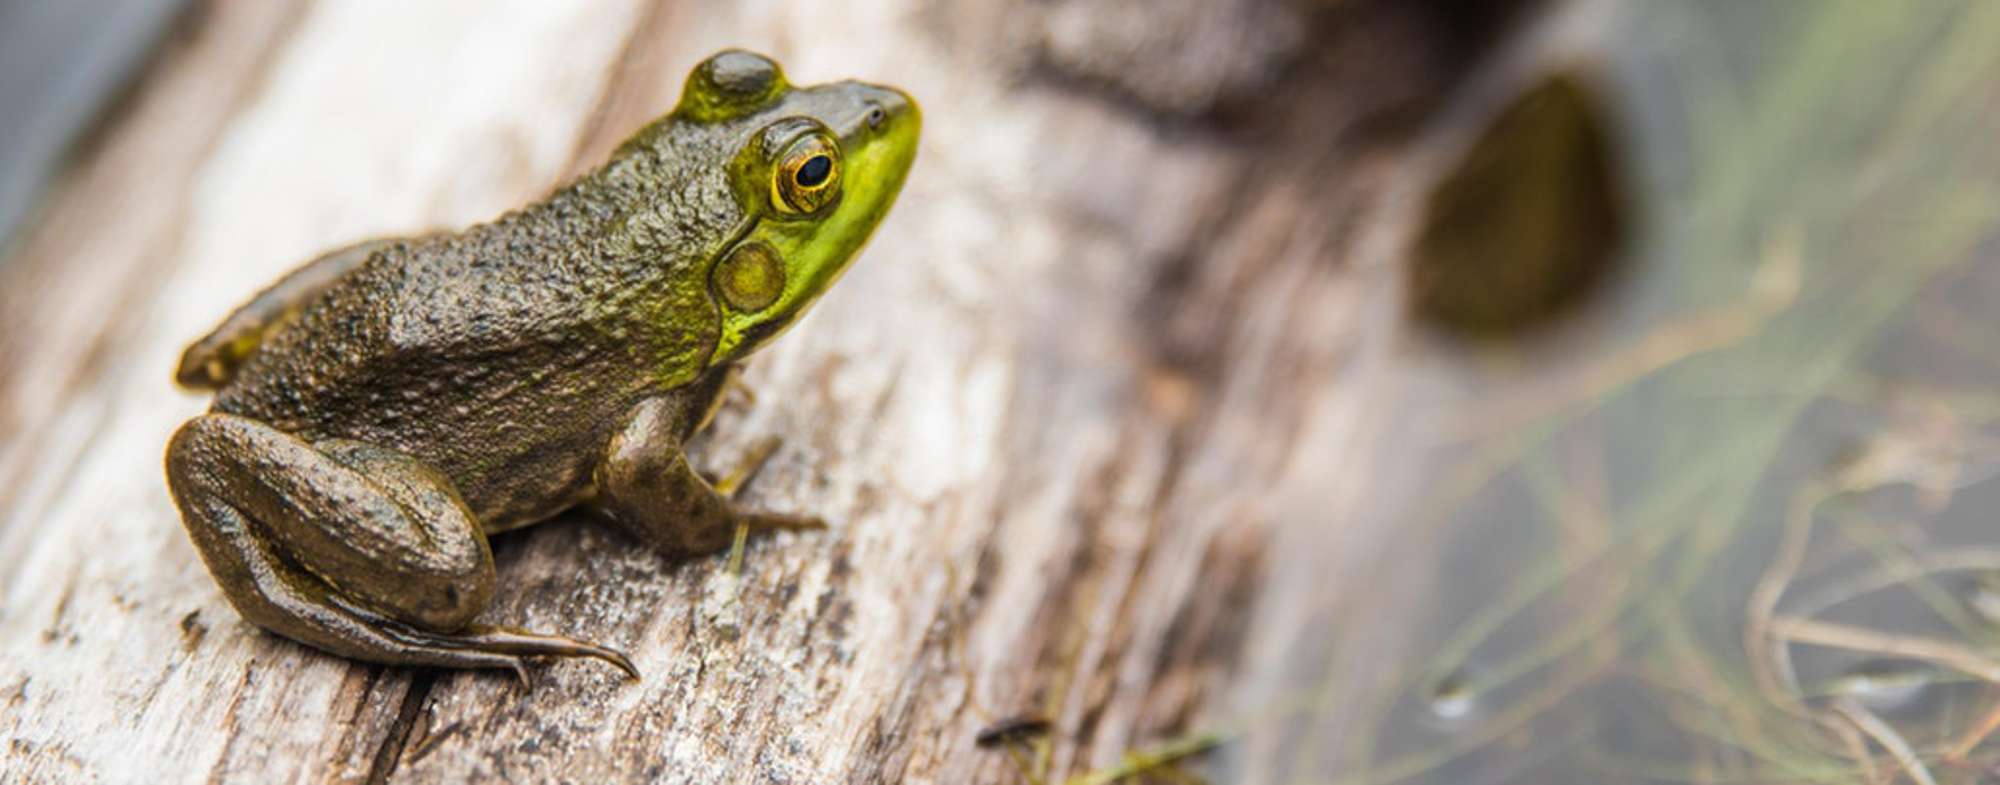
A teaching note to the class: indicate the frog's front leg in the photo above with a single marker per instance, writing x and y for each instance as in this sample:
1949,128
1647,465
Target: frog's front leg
355,549
646,484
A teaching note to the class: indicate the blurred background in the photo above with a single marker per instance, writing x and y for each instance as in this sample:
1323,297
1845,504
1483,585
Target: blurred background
1356,391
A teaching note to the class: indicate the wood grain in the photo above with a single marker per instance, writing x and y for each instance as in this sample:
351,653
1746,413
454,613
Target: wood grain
1096,417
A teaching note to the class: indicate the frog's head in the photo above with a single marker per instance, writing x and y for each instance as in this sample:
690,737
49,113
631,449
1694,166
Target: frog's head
813,170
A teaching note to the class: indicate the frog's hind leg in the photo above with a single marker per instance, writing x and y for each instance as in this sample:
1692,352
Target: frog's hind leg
358,550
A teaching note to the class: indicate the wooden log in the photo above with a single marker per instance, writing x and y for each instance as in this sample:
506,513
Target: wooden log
1093,418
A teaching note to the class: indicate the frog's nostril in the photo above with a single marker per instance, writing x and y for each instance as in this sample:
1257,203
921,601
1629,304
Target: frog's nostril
876,114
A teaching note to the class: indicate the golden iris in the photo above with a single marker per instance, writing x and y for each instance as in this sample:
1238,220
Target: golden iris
809,176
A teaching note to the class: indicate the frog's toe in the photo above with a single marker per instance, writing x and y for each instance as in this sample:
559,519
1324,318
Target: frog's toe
484,646
521,643
778,522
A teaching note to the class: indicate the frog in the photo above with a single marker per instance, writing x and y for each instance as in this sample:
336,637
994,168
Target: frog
383,411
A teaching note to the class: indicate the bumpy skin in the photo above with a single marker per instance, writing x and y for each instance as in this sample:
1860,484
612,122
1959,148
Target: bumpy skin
381,411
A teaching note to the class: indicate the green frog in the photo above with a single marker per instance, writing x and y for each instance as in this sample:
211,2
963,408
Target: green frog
383,410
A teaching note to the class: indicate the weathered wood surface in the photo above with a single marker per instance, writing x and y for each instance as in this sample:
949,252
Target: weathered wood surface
1096,417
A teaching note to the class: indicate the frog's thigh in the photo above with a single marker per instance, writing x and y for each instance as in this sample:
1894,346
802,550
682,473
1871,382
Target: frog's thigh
370,525
358,550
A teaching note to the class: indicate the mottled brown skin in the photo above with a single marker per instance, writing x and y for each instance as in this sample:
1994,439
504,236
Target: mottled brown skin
381,411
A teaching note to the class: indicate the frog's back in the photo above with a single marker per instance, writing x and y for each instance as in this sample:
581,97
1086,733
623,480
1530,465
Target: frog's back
503,366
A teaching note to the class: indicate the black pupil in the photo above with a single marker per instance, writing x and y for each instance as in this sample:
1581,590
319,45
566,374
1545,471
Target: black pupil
814,171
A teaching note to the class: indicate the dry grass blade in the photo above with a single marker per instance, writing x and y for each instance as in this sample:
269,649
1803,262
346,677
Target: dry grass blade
1770,664
1976,736
1887,737
1932,650
1772,290
1144,761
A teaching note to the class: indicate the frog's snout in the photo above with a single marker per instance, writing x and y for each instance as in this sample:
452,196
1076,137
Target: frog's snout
883,111
889,104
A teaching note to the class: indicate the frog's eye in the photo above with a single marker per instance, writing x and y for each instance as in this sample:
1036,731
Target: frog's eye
807,178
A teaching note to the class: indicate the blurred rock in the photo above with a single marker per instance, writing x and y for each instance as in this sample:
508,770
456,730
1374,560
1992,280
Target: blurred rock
1528,221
